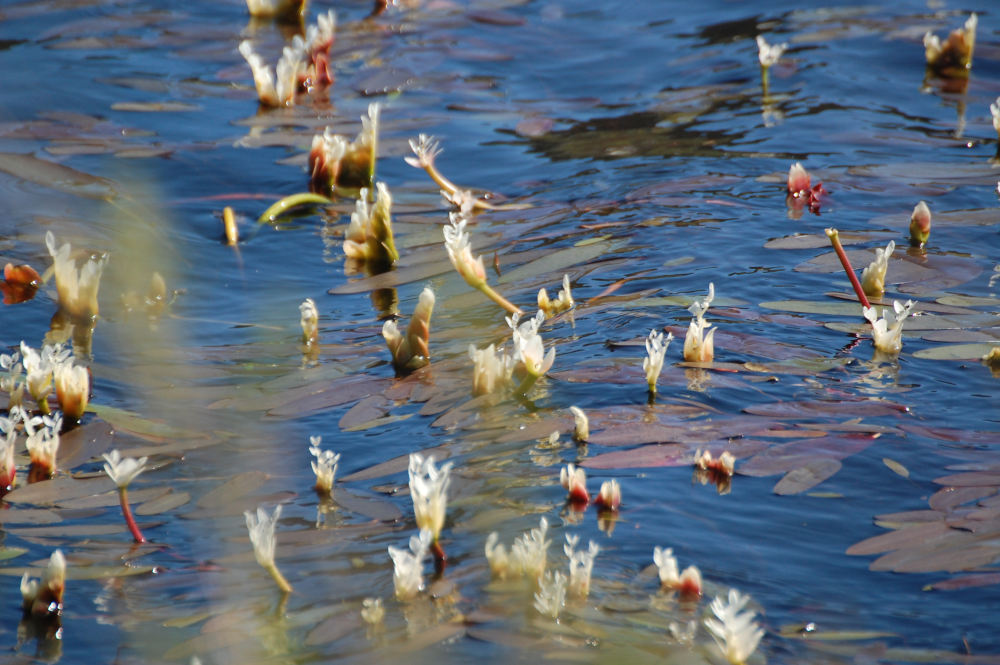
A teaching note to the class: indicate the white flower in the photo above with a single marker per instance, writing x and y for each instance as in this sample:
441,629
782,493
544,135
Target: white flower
873,277
699,343
581,424
528,347
261,528
309,320
325,464
723,464
274,88
688,582
44,597
562,302
72,389
551,595
995,112
77,289
123,470
11,383
735,633
574,481
43,443
429,491
456,241
610,496
581,565
530,551
888,330
491,369
372,611
407,572
425,149
497,556
768,54
656,350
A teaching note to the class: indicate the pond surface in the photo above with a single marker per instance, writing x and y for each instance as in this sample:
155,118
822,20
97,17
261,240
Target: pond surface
647,163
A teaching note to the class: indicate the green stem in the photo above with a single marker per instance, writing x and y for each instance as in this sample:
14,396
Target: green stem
764,79
526,384
834,237
499,299
280,207
279,579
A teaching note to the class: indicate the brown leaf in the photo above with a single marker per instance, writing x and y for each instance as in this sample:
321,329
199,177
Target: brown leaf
806,477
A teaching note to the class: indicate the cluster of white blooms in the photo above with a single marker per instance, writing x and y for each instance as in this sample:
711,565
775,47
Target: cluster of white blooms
408,567
51,367
369,236
491,368
888,330
873,277
77,288
527,556
325,464
43,442
459,248
563,301
656,350
574,481
551,595
699,344
529,350
581,564
429,491
666,563
44,597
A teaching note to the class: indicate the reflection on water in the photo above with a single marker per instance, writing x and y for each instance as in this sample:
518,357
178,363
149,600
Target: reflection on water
645,160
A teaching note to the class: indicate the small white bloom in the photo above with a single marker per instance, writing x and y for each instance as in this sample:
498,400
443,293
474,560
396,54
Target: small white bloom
656,350
581,565
491,369
456,242
43,443
77,289
425,148
408,567
261,528
274,88
429,491
574,481
528,347
735,632
581,424
888,330
309,320
72,388
497,556
699,343
873,277
530,551
562,302
372,611
123,470
551,595
325,464
768,54
666,563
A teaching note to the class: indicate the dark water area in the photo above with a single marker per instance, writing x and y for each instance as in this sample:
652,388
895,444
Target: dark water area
646,162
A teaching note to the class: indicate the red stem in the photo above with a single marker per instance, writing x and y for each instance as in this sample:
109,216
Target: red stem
844,261
440,559
129,520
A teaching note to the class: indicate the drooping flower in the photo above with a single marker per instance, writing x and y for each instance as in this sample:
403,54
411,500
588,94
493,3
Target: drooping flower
261,529
324,466
425,150
610,496
369,235
735,632
953,58
372,611
887,331
768,54
581,565
873,277
920,225
72,389
656,351
412,351
274,87
408,567
699,343
44,598
279,9
77,289
581,424
429,491
309,320
563,301
43,446
551,595
456,242
491,369
574,481
333,162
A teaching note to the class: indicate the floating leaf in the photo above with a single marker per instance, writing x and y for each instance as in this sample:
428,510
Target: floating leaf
235,488
896,467
57,176
83,444
806,477
966,582
956,351
59,490
165,503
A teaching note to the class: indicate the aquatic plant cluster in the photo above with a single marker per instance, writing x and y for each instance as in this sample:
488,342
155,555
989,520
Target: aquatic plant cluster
59,384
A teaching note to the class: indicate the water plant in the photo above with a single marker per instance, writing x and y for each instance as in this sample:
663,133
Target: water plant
425,150
873,277
768,55
563,301
42,445
261,529
574,481
275,87
76,287
581,565
44,597
324,466
369,236
458,246
656,351
408,567
920,225
491,369
333,162
551,595
581,425
699,343
887,330
529,351
8,469
688,583
72,384
429,491
527,557
122,471
412,351
801,191
39,367
953,57
610,496
735,632
285,10
372,611
834,237
309,321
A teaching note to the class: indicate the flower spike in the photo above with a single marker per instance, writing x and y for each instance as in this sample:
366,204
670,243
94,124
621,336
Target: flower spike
699,343
456,242
656,350
735,632
412,351
261,529
324,466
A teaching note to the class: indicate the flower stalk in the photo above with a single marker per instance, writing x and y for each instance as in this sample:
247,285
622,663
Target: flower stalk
472,270
122,471
834,237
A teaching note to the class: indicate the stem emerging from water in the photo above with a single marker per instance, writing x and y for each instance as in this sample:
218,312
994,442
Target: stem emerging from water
834,237
289,202
279,579
129,520
499,299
